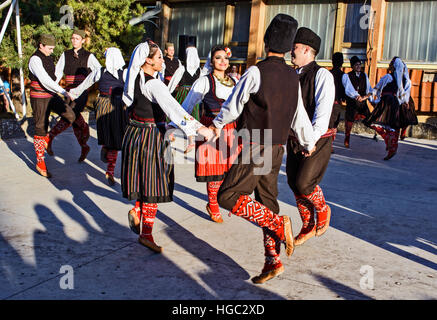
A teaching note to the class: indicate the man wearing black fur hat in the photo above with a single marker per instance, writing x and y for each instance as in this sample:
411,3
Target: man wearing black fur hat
358,90
340,96
305,173
266,101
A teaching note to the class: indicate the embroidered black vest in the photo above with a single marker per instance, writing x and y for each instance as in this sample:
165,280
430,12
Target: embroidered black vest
211,104
274,105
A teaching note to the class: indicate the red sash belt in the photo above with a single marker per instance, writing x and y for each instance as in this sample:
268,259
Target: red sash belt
74,80
36,91
138,118
331,132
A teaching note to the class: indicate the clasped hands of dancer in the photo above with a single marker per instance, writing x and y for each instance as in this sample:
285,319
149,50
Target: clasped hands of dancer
213,133
363,98
217,132
66,95
203,131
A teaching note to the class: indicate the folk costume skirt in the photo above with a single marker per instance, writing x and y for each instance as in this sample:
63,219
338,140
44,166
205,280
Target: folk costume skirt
387,113
214,159
111,119
147,169
181,93
407,114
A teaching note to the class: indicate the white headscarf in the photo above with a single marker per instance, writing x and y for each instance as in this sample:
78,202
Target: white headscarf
207,68
400,72
141,52
193,60
114,61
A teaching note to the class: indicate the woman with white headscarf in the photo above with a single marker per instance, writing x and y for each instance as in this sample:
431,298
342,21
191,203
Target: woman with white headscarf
213,159
394,107
111,115
182,81
147,174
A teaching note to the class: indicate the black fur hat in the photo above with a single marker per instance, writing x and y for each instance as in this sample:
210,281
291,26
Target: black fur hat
280,33
337,59
354,60
308,37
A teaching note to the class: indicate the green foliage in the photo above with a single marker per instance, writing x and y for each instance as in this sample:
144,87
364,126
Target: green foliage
30,34
105,21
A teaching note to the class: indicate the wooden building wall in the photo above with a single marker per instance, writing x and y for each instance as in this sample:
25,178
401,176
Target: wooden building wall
424,90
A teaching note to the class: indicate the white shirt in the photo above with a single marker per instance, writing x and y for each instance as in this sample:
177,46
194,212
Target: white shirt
157,92
92,63
349,88
37,69
385,80
324,97
92,78
198,91
249,84
200,88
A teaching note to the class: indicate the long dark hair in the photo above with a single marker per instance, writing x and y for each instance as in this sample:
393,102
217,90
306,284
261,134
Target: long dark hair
216,48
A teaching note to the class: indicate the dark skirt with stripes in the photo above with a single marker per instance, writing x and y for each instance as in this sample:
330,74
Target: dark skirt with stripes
181,93
111,119
386,113
214,159
407,114
147,166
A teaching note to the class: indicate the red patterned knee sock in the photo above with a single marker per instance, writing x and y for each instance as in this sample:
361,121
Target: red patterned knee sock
381,131
318,200
254,211
148,218
212,189
81,130
272,249
137,208
393,138
39,143
59,127
348,129
111,156
306,211
404,133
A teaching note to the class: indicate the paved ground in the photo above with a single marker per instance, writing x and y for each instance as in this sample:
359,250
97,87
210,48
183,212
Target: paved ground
382,243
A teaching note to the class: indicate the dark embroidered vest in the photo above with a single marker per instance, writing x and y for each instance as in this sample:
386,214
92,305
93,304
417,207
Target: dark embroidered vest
143,107
170,68
340,94
307,79
211,104
188,79
109,85
37,90
76,67
274,105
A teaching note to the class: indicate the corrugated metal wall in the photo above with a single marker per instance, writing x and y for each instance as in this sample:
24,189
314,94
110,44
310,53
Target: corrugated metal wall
353,31
241,28
204,20
411,31
318,16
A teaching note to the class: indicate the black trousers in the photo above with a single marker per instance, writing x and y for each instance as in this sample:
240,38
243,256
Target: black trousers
354,107
80,103
304,173
256,169
41,108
